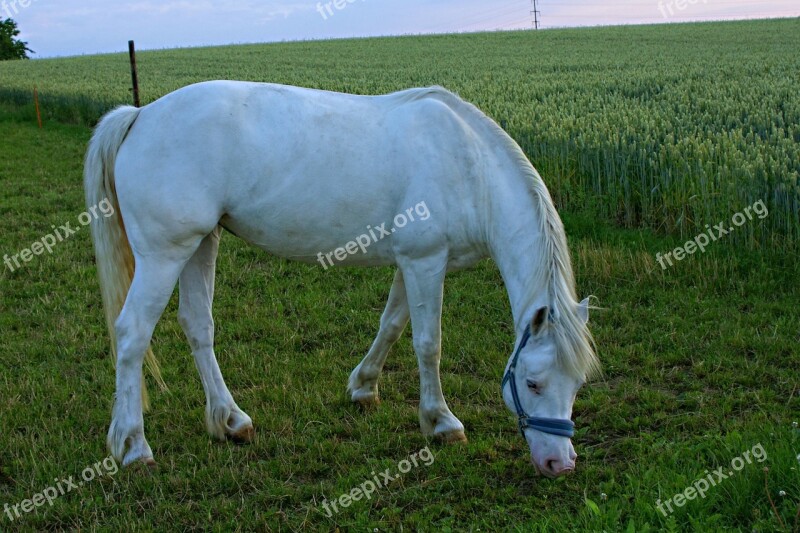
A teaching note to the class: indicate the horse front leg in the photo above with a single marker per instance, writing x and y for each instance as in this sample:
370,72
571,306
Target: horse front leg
424,281
363,382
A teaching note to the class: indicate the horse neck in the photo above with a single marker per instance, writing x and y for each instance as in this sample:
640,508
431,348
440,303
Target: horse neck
519,246
513,231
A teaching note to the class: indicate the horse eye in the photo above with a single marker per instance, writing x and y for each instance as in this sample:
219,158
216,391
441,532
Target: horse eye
533,386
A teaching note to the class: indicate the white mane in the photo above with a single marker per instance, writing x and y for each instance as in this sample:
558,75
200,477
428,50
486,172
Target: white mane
574,342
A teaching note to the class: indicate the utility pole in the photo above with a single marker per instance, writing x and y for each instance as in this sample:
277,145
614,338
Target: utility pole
535,14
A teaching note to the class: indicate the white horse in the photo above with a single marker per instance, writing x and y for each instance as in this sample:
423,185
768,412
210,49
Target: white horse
299,173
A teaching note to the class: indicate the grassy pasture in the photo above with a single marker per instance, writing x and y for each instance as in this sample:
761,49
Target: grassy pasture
700,360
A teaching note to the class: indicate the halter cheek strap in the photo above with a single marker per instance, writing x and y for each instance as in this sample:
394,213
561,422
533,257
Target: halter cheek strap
553,426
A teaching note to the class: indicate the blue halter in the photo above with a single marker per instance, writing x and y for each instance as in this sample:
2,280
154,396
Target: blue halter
553,426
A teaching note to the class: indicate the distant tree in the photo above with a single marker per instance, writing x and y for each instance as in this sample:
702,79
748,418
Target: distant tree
11,48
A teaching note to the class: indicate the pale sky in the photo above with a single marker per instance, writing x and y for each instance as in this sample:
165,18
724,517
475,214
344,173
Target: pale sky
58,27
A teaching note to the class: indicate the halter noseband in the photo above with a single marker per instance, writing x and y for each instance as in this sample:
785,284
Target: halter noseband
553,426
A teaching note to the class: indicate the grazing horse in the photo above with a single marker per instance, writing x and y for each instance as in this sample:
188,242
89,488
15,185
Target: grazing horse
301,172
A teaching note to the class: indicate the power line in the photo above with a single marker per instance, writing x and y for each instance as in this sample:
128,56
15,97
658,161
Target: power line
535,14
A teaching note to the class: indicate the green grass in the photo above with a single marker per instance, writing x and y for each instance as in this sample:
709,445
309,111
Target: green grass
700,365
670,127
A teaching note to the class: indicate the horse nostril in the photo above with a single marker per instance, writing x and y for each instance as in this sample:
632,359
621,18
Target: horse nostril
556,468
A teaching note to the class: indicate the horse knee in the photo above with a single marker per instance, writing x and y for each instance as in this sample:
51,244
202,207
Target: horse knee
393,329
426,346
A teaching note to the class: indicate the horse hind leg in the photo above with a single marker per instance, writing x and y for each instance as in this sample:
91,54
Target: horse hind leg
224,419
363,382
150,290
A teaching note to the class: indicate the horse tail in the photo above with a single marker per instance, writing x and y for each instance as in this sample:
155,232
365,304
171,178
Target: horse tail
115,261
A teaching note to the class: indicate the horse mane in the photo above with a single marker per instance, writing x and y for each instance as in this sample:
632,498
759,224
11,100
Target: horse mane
574,342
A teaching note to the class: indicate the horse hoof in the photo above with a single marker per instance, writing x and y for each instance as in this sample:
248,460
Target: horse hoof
150,463
368,402
365,398
244,435
450,437
143,466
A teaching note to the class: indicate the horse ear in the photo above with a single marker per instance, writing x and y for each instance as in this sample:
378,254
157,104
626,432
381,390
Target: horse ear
539,320
583,310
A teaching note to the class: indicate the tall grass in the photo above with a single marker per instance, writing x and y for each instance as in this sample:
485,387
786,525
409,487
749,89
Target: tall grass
672,127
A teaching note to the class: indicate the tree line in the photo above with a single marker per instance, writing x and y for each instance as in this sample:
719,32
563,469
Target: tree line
10,46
